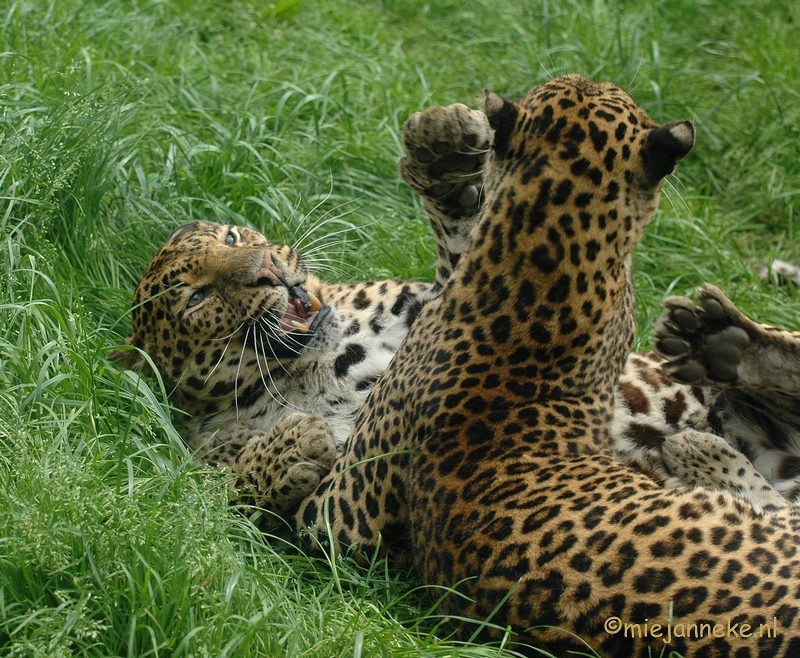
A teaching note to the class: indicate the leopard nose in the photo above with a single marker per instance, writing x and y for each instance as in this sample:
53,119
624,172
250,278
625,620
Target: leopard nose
269,273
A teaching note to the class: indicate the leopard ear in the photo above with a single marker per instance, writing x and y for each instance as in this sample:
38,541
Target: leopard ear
186,228
502,115
664,146
129,358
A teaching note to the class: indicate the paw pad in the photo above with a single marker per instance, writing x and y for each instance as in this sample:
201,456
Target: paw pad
445,151
673,346
714,310
702,346
685,319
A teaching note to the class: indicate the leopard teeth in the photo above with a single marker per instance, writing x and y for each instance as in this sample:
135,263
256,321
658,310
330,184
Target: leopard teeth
316,305
302,328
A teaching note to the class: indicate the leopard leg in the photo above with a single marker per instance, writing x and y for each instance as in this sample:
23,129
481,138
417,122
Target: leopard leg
279,468
717,345
700,458
445,152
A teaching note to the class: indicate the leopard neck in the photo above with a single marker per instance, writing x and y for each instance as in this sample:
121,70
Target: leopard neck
545,288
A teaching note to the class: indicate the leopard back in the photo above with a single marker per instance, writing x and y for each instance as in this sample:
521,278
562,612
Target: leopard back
485,438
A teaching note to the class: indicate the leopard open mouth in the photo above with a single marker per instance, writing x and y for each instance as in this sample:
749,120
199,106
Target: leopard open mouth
301,311
303,316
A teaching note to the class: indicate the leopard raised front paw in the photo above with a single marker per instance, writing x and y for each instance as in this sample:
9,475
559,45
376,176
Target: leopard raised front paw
287,464
703,346
445,152
446,149
707,460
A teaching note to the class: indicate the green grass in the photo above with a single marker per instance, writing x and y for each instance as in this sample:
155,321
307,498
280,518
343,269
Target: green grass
121,120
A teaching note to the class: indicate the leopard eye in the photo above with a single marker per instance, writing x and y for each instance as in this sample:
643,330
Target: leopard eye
230,239
197,297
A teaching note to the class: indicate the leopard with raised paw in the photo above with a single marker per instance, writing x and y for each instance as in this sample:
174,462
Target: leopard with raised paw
483,449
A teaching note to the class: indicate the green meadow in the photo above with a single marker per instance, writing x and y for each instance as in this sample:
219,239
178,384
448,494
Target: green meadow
121,120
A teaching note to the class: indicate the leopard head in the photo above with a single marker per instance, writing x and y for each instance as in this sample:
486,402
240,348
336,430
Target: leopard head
573,178
598,148
216,296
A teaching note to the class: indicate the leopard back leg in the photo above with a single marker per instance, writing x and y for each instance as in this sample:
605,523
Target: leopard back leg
750,378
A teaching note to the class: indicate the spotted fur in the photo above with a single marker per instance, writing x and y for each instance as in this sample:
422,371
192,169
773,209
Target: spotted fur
263,397
275,405
484,444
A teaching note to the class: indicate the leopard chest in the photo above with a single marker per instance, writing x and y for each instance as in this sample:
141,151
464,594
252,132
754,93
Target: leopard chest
339,367
336,385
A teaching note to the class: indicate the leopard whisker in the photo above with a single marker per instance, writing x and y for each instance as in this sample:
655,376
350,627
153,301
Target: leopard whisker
322,264
472,150
326,248
673,196
333,267
310,212
285,403
669,186
272,381
550,75
238,370
293,212
224,351
323,220
233,333
266,332
334,271
468,175
178,383
272,331
348,229
268,356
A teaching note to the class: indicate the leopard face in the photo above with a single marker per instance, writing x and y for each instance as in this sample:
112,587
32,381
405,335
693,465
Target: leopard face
217,300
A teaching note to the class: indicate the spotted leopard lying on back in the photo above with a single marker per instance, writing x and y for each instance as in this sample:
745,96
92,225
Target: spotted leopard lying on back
272,379
270,364
485,442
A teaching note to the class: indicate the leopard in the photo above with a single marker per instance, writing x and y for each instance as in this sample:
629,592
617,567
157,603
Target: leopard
269,379
267,365
652,405
482,451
